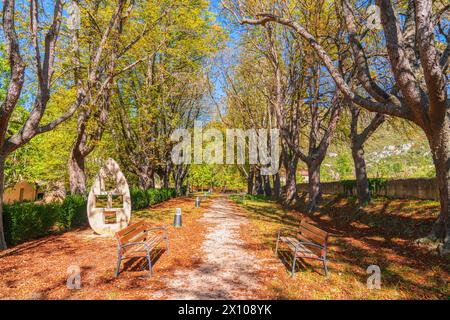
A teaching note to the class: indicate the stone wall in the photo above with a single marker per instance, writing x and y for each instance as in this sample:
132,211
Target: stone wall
421,188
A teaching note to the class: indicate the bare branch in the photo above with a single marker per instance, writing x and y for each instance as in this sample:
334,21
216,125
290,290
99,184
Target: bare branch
389,107
361,63
17,67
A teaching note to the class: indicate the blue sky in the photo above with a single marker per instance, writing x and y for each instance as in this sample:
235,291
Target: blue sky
234,32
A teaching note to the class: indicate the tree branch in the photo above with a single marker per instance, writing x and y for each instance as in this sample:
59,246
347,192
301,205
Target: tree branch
434,77
17,68
361,63
401,68
388,108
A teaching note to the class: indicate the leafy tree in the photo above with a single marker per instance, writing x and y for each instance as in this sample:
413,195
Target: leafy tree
417,49
108,37
39,58
344,166
164,93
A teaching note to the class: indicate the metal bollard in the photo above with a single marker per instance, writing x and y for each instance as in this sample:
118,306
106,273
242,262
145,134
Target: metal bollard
197,202
177,218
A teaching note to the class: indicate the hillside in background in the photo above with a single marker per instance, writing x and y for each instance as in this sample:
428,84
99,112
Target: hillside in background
394,151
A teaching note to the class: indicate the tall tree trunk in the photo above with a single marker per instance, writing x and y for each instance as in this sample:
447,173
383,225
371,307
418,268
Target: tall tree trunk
144,180
250,177
179,174
357,145
289,160
165,180
166,175
152,179
179,185
314,189
362,183
3,245
77,159
276,186
440,148
188,186
290,165
267,187
259,189
77,175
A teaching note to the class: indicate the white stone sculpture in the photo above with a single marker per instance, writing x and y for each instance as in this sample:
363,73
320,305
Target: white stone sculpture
101,219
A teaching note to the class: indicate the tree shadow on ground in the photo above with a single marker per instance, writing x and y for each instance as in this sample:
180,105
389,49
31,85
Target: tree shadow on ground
382,234
140,264
301,264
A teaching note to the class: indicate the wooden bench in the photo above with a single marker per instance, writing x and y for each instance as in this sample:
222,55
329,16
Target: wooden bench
307,242
137,241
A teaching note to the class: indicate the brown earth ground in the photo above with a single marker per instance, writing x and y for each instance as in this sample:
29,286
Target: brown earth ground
39,269
382,234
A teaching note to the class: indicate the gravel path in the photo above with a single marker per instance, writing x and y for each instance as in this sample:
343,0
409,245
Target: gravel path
228,270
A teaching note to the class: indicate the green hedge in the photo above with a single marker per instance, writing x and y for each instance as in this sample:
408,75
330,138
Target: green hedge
375,185
256,198
74,212
141,199
28,220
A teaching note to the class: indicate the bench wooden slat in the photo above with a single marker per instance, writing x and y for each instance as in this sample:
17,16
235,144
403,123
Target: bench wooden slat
132,236
313,237
151,243
314,249
305,224
302,250
313,233
128,229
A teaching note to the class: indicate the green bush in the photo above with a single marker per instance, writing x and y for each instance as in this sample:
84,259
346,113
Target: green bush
256,198
375,186
238,199
141,199
28,220
348,187
74,212
154,196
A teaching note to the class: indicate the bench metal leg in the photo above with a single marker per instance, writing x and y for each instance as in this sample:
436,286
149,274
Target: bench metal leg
293,263
149,263
278,241
325,267
119,260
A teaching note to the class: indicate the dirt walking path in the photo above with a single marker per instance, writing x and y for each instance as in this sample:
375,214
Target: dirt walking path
228,269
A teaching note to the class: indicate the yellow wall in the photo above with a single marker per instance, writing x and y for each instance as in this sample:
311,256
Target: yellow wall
13,194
